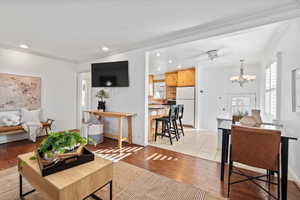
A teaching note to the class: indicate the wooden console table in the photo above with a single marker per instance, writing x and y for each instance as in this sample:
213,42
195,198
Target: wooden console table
120,116
76,183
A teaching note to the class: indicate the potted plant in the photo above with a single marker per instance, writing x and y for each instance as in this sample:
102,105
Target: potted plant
101,95
61,144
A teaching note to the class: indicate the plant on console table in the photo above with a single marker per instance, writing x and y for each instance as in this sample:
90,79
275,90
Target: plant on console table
101,95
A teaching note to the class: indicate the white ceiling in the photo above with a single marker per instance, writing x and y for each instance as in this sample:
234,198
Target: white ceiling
248,44
77,29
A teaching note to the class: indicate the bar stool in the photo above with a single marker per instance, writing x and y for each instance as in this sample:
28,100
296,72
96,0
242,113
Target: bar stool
168,125
179,117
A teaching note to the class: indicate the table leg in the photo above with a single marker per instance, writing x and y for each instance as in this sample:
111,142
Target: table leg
284,167
21,195
110,190
226,145
20,186
223,154
129,121
120,132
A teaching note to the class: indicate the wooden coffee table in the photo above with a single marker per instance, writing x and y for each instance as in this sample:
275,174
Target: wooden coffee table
76,183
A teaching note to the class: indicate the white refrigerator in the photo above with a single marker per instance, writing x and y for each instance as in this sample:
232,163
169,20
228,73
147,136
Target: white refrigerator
186,97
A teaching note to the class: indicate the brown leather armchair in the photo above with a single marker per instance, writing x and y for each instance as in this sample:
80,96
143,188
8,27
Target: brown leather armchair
257,148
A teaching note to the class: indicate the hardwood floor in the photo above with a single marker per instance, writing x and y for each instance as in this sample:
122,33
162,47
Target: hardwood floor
201,173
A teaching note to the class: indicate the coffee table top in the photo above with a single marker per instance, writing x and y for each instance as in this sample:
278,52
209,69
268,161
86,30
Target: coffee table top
66,177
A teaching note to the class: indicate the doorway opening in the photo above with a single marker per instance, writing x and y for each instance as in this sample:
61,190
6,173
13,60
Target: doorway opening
201,72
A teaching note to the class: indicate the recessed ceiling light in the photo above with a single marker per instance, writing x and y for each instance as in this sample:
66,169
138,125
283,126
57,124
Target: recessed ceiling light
23,46
105,49
179,66
170,61
158,69
157,54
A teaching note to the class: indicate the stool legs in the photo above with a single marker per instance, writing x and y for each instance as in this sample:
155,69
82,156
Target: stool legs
175,130
169,131
156,126
181,126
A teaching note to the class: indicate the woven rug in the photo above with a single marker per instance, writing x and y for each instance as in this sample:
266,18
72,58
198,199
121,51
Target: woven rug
129,183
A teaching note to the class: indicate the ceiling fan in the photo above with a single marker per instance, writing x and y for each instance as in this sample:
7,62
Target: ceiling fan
211,54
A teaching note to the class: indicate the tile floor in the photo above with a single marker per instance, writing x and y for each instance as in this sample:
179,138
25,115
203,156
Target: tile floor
199,143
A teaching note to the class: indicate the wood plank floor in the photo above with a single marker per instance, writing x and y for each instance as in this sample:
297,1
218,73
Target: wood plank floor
201,173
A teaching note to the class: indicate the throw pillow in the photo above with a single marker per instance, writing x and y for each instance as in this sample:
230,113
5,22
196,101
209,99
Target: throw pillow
9,118
30,115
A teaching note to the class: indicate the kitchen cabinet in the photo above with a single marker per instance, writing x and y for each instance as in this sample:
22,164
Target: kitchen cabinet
171,92
151,86
171,78
186,77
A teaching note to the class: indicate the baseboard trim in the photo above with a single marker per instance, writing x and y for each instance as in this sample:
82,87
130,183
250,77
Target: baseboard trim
296,179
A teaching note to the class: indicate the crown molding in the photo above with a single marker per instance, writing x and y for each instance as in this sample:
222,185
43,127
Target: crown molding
38,53
216,28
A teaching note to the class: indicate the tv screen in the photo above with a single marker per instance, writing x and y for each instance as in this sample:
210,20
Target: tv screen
110,74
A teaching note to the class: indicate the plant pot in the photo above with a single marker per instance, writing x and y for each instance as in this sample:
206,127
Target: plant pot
101,105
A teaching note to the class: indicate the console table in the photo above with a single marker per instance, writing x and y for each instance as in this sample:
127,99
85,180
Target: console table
76,183
120,116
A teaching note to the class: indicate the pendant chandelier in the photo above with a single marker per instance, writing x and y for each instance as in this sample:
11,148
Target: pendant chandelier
242,78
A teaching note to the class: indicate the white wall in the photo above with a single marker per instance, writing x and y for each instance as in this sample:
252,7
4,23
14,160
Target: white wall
288,44
127,99
58,86
216,86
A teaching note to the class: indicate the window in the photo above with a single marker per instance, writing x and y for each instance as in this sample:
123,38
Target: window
242,103
159,90
271,90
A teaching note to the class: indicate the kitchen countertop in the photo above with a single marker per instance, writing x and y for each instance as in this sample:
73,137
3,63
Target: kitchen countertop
158,106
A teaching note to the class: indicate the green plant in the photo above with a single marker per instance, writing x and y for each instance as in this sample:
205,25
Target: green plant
102,94
60,142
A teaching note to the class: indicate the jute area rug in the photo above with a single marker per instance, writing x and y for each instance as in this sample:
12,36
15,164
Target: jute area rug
129,183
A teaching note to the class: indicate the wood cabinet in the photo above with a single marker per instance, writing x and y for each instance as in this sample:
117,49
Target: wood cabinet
151,85
171,92
171,78
186,77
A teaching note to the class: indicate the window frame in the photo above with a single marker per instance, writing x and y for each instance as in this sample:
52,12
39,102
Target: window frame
273,88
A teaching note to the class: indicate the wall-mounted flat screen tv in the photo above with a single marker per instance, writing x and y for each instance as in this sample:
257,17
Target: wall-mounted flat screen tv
110,74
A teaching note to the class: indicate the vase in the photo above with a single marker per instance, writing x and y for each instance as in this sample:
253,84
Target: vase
101,105
257,117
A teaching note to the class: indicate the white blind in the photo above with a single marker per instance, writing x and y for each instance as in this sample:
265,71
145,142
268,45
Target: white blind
270,90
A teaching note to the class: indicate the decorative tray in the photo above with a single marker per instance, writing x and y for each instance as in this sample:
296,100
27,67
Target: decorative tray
62,163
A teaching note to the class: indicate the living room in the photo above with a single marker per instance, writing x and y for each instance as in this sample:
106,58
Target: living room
52,61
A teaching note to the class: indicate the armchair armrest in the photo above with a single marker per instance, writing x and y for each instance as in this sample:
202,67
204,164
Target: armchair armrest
50,121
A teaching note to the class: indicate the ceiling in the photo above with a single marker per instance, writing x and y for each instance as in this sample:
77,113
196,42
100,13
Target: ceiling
76,30
248,44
